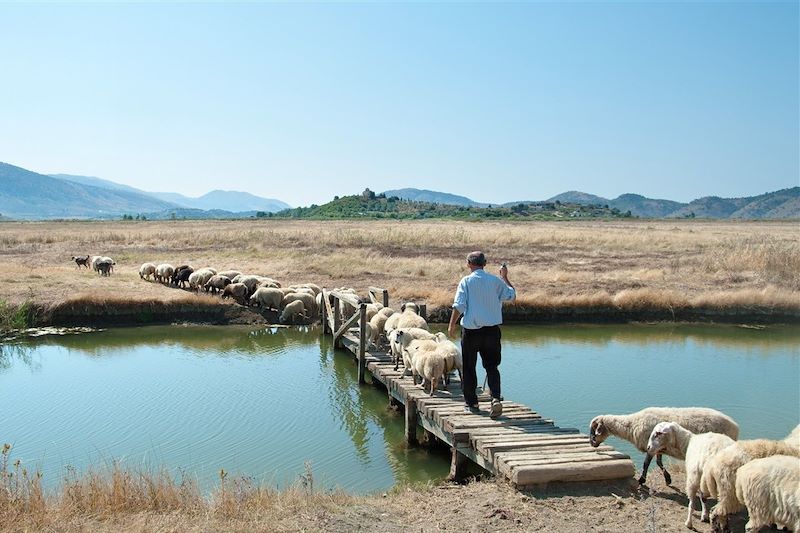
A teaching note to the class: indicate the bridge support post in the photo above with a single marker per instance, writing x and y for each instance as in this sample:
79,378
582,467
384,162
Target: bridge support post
362,343
458,461
411,421
337,321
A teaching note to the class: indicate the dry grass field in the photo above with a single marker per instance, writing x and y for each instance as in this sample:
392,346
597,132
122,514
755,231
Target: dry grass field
631,265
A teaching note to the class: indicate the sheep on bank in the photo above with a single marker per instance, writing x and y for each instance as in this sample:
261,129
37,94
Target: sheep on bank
181,277
636,428
200,277
267,297
309,302
164,272
770,489
292,312
229,274
105,268
147,270
237,291
719,477
695,448
216,284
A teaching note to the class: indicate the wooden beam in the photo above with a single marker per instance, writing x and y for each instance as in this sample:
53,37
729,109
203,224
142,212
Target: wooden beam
362,341
337,320
458,461
347,297
344,327
423,310
324,314
411,421
384,296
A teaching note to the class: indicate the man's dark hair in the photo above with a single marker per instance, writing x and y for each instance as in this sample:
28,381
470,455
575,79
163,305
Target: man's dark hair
476,258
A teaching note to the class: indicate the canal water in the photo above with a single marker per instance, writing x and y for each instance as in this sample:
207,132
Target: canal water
270,403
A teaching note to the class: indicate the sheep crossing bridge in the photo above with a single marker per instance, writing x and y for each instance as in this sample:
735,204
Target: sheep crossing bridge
520,445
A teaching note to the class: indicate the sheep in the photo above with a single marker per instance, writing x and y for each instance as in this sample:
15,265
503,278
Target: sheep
267,297
410,319
391,323
770,489
292,311
793,438
147,270
314,287
451,353
96,259
427,361
251,282
719,476
696,448
105,268
216,283
377,323
164,272
199,278
237,291
401,339
181,277
309,302
264,281
229,274
81,261
636,428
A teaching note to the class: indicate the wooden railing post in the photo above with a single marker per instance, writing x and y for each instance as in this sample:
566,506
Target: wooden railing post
324,313
337,321
362,342
423,311
411,421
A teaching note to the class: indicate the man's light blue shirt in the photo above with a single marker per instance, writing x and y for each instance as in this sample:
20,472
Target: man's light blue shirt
479,298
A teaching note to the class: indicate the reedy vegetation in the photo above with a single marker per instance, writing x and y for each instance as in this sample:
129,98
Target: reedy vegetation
632,263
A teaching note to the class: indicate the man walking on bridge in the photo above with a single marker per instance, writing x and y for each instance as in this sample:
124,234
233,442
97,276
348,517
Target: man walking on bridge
479,304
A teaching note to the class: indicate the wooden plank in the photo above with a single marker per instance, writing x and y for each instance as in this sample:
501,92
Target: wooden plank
451,425
525,457
591,471
347,297
344,327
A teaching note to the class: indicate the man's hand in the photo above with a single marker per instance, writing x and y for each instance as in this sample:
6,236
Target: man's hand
451,330
451,327
504,271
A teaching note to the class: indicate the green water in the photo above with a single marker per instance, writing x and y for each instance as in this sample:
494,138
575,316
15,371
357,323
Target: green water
264,402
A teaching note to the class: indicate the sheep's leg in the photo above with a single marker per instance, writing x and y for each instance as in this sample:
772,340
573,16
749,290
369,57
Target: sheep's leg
645,468
704,507
667,477
690,494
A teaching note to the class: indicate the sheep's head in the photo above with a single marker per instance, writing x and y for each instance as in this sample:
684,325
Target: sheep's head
597,432
660,437
410,306
398,335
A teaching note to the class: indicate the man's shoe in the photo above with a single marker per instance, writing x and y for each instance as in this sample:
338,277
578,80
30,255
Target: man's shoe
496,409
474,409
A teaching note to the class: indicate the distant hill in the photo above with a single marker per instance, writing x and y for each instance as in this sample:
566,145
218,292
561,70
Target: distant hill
784,203
640,206
98,182
434,197
578,197
28,195
370,205
233,201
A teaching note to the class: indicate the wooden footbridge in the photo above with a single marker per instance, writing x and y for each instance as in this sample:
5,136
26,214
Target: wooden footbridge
520,445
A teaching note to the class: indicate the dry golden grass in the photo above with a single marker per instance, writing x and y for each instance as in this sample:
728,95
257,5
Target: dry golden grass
626,264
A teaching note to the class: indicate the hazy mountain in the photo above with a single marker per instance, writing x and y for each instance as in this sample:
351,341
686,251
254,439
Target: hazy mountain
434,197
28,195
97,182
784,203
578,197
640,206
233,201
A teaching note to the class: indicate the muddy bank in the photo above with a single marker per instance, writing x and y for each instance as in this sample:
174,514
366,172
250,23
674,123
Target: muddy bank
137,313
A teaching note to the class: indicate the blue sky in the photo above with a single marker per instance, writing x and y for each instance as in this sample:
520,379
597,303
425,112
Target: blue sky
498,102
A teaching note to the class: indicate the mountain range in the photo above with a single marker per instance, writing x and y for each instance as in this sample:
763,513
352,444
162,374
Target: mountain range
28,195
781,204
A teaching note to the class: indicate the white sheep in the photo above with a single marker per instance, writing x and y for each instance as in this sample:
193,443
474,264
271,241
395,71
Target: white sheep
377,323
695,448
391,323
103,265
95,260
770,489
309,302
719,476
267,297
636,428
229,274
199,278
451,353
251,282
147,270
427,361
164,272
793,438
410,319
401,338
292,311
237,291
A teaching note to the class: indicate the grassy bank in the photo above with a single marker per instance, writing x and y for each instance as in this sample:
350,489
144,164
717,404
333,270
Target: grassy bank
597,271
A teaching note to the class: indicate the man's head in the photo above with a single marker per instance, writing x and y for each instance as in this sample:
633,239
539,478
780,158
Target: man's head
476,260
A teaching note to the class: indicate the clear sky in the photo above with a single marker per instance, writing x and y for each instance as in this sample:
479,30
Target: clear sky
497,102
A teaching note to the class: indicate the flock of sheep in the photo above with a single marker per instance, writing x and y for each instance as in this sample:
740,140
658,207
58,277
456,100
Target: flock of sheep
761,475
296,303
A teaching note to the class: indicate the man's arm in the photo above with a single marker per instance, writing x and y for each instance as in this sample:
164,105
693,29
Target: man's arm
451,328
